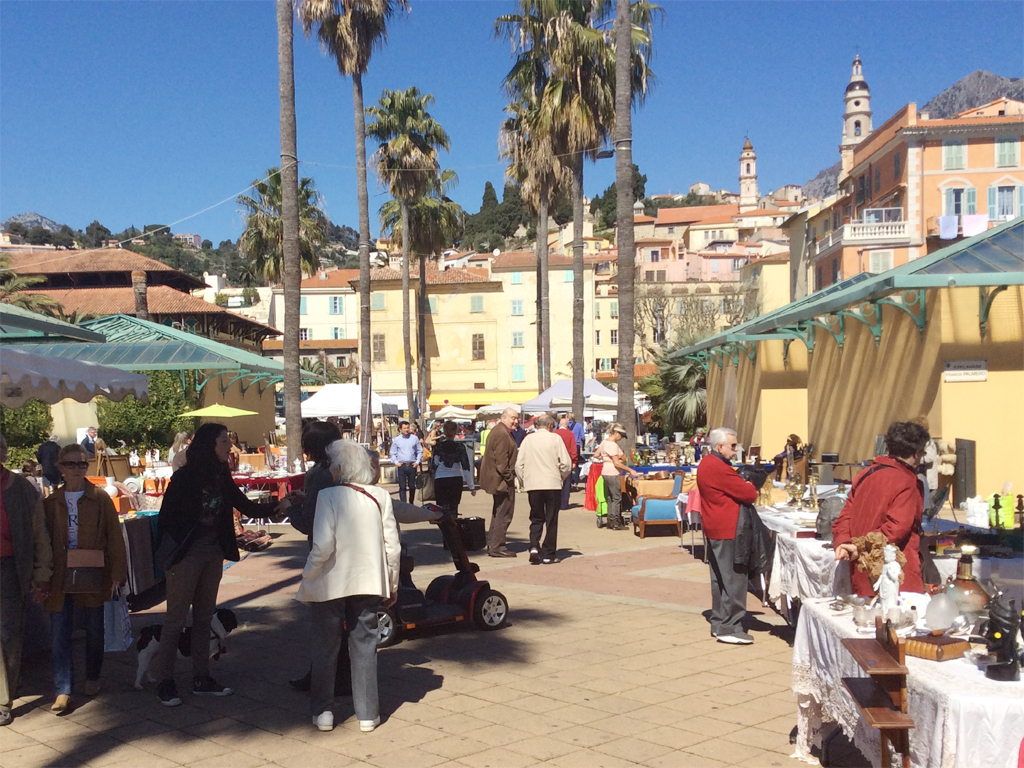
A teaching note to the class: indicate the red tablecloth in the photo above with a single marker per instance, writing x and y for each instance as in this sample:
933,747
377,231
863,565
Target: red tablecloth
281,486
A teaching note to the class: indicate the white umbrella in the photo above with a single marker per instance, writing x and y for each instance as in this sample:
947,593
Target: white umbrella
24,376
454,412
496,409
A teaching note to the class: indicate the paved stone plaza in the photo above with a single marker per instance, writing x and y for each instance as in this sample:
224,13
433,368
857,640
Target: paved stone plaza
607,661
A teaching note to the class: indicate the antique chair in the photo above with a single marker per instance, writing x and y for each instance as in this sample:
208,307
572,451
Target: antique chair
658,510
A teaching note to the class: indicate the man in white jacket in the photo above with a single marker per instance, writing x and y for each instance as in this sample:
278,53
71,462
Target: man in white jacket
352,570
542,466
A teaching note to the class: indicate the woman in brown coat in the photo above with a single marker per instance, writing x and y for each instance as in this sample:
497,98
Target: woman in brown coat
80,516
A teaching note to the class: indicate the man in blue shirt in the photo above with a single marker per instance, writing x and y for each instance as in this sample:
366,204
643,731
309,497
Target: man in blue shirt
406,454
577,431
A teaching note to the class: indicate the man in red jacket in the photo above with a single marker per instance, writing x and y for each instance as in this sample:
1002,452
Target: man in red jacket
721,493
887,497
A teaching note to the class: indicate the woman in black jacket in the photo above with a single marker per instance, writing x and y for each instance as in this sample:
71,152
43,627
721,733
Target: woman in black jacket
195,534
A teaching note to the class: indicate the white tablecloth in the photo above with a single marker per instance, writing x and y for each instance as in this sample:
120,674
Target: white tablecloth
962,719
805,568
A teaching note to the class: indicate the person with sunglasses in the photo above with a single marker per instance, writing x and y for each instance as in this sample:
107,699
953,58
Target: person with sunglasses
721,493
80,516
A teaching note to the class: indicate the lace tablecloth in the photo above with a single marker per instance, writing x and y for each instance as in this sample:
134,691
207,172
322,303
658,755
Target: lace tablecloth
804,568
962,719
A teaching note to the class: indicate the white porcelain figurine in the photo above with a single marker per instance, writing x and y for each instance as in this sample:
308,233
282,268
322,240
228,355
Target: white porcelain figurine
888,585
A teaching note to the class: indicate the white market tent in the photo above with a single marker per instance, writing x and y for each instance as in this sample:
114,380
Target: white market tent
342,400
454,412
494,410
595,395
25,376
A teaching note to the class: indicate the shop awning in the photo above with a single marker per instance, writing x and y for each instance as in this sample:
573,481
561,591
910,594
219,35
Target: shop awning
993,259
475,398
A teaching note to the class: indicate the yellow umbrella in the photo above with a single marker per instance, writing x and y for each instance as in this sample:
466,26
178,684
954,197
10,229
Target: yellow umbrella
220,412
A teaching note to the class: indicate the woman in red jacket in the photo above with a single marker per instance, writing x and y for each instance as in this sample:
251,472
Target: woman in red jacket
887,497
721,493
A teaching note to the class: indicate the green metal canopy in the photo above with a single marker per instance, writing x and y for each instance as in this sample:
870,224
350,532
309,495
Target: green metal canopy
993,259
140,345
18,324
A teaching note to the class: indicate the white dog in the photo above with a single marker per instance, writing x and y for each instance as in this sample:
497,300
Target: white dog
149,642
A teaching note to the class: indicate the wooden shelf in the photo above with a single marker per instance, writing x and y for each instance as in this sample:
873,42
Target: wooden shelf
872,657
876,705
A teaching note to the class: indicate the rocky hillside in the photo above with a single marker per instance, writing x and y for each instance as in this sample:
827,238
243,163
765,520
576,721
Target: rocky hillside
32,220
977,88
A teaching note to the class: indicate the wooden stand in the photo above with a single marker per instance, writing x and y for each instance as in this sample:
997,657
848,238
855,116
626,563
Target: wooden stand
882,696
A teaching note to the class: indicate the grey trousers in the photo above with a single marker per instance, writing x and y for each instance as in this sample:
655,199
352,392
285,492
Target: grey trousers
194,581
359,614
728,588
12,631
501,519
613,493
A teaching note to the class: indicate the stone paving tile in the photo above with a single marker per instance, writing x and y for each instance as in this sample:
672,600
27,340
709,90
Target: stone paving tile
311,756
586,758
179,747
541,748
584,736
498,735
674,738
229,760
454,747
744,714
706,725
406,758
459,724
151,761
539,725
684,760
728,751
623,725
761,739
632,748
497,757
580,715
536,705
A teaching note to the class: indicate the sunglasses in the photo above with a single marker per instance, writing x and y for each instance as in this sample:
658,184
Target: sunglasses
734,446
75,464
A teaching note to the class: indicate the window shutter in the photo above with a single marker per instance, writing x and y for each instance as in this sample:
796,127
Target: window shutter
1020,200
991,203
970,201
302,305
950,206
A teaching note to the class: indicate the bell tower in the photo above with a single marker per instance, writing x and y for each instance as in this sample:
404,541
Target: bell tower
856,116
749,195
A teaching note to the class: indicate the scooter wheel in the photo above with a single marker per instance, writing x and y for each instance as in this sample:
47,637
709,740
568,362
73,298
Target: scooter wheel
490,611
389,629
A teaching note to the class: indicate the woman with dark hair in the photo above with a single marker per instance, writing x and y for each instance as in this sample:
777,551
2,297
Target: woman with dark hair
451,467
195,534
887,496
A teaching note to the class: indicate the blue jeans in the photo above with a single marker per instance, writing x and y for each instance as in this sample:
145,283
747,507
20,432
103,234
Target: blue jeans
61,651
407,480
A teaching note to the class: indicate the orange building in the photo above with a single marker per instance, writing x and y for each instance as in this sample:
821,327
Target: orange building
902,178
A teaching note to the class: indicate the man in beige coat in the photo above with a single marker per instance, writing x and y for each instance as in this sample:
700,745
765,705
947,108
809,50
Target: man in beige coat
497,477
542,466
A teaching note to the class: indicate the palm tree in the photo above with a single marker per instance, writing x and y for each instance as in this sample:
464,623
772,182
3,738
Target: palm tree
435,222
406,161
632,32
288,248
350,31
14,289
678,392
262,242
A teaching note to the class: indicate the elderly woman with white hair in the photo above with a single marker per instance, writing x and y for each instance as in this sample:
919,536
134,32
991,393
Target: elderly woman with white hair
351,572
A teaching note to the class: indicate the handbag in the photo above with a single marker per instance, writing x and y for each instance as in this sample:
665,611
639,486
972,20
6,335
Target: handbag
117,624
84,571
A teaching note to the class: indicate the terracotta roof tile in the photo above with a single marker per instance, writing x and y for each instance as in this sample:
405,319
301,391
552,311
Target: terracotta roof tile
338,278
162,300
693,213
90,260
715,220
643,219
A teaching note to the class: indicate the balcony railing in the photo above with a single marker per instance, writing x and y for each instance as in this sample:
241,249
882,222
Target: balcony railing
861,232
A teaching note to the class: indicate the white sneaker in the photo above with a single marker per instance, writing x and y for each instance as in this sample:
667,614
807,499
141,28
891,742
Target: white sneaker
324,721
368,725
736,638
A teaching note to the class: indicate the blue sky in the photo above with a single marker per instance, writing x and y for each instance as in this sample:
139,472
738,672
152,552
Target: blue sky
149,112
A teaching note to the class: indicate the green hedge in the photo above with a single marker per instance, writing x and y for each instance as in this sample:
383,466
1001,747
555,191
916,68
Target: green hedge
153,425
25,429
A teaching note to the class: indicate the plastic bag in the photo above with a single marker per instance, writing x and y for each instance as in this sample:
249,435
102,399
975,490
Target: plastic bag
117,625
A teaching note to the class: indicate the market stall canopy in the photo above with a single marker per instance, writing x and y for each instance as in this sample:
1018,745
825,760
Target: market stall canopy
595,395
18,324
133,344
454,412
342,400
496,409
26,376
219,411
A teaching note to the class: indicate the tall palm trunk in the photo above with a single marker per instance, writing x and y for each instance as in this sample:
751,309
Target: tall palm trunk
292,277
579,374
544,318
365,341
421,341
624,190
406,319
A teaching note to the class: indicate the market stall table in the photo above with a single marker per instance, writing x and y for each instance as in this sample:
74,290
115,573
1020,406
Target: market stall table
962,719
280,486
139,531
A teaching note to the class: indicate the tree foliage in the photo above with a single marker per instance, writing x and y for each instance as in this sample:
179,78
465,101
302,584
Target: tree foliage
606,204
153,425
692,198
38,236
17,228
25,428
95,235
64,237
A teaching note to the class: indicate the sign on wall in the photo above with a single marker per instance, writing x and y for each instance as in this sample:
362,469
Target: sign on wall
965,370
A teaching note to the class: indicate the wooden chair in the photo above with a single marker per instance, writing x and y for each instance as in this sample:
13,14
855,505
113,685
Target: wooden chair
882,695
658,510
